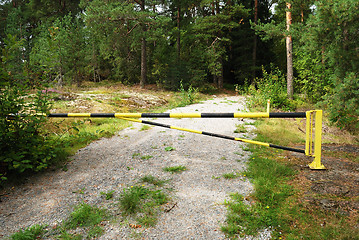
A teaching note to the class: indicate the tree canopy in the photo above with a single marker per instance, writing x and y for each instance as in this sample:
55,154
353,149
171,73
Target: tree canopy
194,42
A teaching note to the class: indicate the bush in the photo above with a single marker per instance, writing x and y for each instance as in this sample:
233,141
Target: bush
272,86
344,103
22,145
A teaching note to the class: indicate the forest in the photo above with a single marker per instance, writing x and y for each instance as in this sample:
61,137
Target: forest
201,43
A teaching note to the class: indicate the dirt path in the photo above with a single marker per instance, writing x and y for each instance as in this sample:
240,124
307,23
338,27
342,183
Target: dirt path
109,164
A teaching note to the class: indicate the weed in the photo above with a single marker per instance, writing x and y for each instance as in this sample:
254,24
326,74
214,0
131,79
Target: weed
33,232
143,202
145,127
240,129
80,191
188,96
230,175
175,169
95,232
168,149
108,195
223,158
153,180
131,197
146,157
67,236
147,220
135,155
85,215
214,177
245,148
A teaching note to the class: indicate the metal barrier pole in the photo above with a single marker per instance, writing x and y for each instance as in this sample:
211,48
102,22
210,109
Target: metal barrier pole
316,164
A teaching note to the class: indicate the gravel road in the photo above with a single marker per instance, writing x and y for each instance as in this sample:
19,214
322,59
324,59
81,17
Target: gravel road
108,164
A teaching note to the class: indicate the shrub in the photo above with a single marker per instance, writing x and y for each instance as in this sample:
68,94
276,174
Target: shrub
344,103
188,96
272,86
22,145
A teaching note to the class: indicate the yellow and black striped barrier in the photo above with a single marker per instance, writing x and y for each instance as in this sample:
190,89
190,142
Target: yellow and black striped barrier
181,115
215,135
313,117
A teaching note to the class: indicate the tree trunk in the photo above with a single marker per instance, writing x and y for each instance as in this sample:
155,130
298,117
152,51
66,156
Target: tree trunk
254,57
289,46
143,53
143,63
220,77
179,31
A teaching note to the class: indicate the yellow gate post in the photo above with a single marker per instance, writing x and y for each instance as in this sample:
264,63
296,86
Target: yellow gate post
316,164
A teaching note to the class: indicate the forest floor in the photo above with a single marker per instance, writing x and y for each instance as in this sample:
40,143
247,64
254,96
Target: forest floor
49,197
335,189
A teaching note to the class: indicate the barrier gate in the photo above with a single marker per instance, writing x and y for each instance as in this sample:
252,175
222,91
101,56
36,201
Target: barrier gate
313,118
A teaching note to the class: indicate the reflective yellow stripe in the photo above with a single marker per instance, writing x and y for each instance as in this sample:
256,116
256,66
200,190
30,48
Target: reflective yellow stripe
79,114
252,142
251,115
187,130
130,115
185,115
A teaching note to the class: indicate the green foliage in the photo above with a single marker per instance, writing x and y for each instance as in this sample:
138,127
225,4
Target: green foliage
273,87
231,175
108,195
153,180
143,203
85,215
188,96
11,67
30,233
168,149
344,103
271,192
240,128
22,144
311,81
175,169
328,62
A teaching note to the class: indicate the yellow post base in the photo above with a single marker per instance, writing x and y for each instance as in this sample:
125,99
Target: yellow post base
316,165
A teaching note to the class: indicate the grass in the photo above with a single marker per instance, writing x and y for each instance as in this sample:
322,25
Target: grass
143,203
175,169
84,216
277,202
145,127
153,180
146,157
30,233
240,128
108,195
73,134
231,175
168,149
